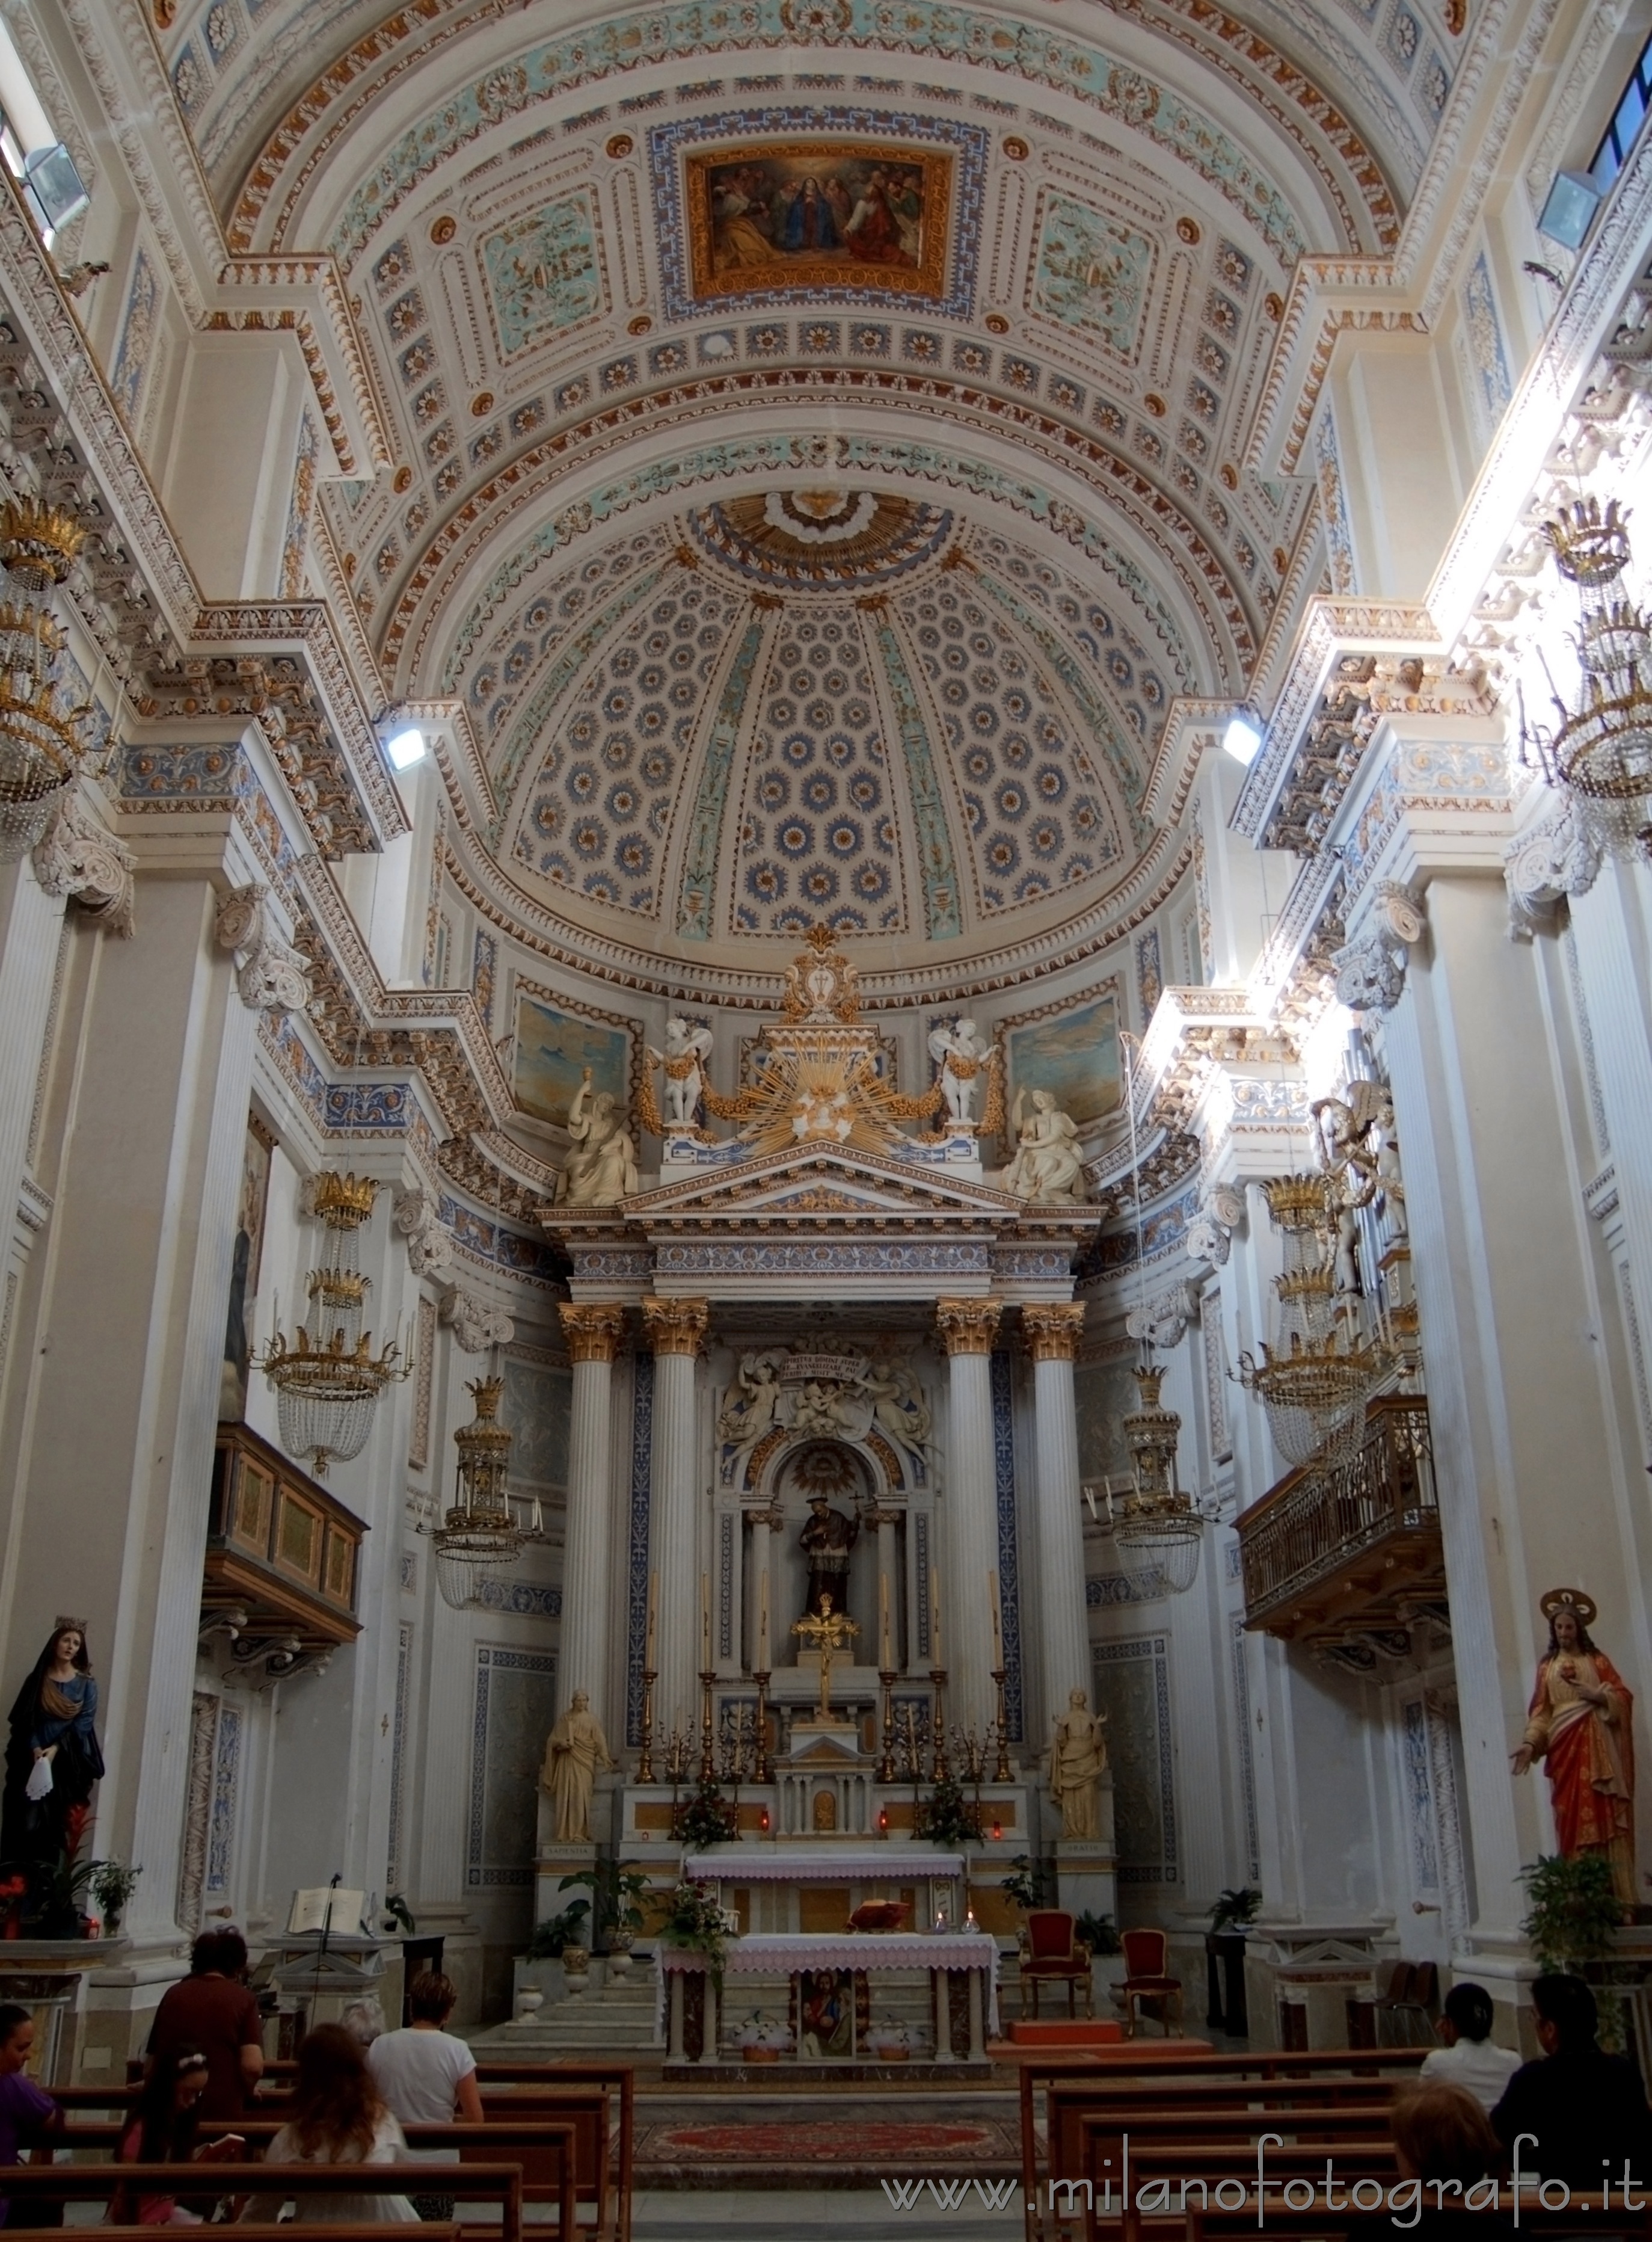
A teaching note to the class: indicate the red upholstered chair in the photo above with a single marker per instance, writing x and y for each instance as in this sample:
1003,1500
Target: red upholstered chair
1145,1984
1053,1953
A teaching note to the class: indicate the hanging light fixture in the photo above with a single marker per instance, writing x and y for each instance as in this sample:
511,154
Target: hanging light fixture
479,1537
41,741
1314,1382
1156,1530
1600,752
327,1380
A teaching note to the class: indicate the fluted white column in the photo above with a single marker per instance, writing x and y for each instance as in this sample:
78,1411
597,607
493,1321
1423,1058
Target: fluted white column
762,1640
593,1330
676,1331
1052,1333
871,1645
967,1329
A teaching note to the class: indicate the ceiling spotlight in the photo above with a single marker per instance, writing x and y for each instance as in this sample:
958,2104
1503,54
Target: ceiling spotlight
406,748
1241,739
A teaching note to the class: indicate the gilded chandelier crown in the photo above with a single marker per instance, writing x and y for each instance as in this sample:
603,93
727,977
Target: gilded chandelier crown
1590,542
344,1201
34,535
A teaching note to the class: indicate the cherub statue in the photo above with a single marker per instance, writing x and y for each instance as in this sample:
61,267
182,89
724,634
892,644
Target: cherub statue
601,1166
687,1049
962,1053
1047,1166
750,1410
898,1403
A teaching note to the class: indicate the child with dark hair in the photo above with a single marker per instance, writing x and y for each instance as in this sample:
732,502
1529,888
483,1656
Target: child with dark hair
1467,2055
162,2131
24,2108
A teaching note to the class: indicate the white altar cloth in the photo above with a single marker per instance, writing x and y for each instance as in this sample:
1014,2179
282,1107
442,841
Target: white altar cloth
779,1953
797,1864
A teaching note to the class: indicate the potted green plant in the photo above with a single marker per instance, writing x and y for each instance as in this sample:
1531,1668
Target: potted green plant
1572,1924
562,1938
617,1889
707,1818
946,1818
112,1883
1027,1884
1235,1909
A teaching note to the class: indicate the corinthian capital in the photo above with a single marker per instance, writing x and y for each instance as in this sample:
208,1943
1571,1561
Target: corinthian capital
271,975
593,1329
968,1327
675,1326
1053,1331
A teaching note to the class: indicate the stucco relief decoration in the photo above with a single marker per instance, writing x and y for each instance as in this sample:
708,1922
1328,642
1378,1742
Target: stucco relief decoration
1558,857
269,974
418,1216
77,858
475,1323
1091,273
1163,1320
1370,972
776,1398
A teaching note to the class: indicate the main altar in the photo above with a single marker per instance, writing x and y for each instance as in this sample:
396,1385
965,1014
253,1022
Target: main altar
853,1598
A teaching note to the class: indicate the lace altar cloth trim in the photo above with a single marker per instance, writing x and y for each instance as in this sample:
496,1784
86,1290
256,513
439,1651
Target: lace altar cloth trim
779,1952
890,1864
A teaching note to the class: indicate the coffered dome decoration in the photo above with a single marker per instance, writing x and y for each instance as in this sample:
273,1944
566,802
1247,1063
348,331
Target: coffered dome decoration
818,704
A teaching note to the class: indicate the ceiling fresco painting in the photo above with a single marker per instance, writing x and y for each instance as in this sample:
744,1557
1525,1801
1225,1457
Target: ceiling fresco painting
808,215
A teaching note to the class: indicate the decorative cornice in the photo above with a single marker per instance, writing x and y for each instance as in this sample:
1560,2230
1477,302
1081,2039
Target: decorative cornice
593,1329
675,1326
1052,1333
968,1327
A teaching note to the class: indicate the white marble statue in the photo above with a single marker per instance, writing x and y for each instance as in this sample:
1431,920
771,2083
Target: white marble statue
1047,1166
601,1166
963,1054
687,1049
898,1403
752,1407
1077,1761
574,1751
1390,1182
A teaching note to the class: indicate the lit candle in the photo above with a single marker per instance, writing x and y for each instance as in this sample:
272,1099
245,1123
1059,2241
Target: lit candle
934,1617
653,1614
705,1622
998,1629
763,1622
883,1604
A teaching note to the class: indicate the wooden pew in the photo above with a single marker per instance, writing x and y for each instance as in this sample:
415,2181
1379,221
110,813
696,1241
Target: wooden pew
1181,2167
1197,2073
27,2184
1591,2214
509,2089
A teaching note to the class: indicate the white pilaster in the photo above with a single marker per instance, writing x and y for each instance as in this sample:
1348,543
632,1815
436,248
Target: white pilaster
594,1331
967,1329
676,1330
1052,1333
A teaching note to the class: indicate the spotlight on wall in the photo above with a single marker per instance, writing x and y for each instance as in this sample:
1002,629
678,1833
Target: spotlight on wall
406,748
1242,738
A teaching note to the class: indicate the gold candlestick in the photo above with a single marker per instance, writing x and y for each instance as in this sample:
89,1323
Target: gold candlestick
886,1764
707,1758
938,1677
1001,1773
646,1756
765,1762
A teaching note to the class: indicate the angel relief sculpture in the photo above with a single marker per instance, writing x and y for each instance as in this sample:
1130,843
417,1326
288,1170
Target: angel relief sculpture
963,1055
770,1392
687,1049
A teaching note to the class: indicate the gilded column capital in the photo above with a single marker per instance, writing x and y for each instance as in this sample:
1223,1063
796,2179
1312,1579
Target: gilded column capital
1052,1330
676,1326
968,1327
593,1329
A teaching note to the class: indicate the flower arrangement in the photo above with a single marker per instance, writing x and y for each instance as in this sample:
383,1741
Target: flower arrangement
763,2038
707,1818
889,2040
947,1817
695,1920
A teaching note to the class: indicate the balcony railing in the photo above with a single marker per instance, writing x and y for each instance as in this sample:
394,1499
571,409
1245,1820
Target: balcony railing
1333,1553
282,1555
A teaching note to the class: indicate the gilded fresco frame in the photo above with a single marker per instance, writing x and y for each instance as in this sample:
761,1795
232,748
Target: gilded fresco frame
924,283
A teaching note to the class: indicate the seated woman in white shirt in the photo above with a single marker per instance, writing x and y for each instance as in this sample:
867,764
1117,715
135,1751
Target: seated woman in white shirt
1467,2058
338,2118
425,2075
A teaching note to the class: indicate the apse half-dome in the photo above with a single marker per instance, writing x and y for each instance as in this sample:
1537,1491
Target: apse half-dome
821,703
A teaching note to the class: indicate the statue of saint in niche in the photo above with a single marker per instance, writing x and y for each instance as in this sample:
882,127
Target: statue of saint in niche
52,1758
574,1751
1579,1725
825,1542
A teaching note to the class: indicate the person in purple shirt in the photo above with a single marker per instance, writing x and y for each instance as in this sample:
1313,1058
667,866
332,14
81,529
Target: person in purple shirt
24,2110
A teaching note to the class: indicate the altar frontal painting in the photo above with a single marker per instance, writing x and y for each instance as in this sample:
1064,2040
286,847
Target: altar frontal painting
815,214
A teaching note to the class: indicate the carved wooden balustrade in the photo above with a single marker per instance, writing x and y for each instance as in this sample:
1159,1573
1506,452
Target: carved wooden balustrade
1353,1550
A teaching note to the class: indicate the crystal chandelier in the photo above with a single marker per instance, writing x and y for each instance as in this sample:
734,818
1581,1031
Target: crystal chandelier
479,1536
1600,752
41,742
1314,1382
1156,1529
328,1380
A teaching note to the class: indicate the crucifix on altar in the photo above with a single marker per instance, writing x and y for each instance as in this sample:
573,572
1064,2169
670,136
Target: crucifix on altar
828,1632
